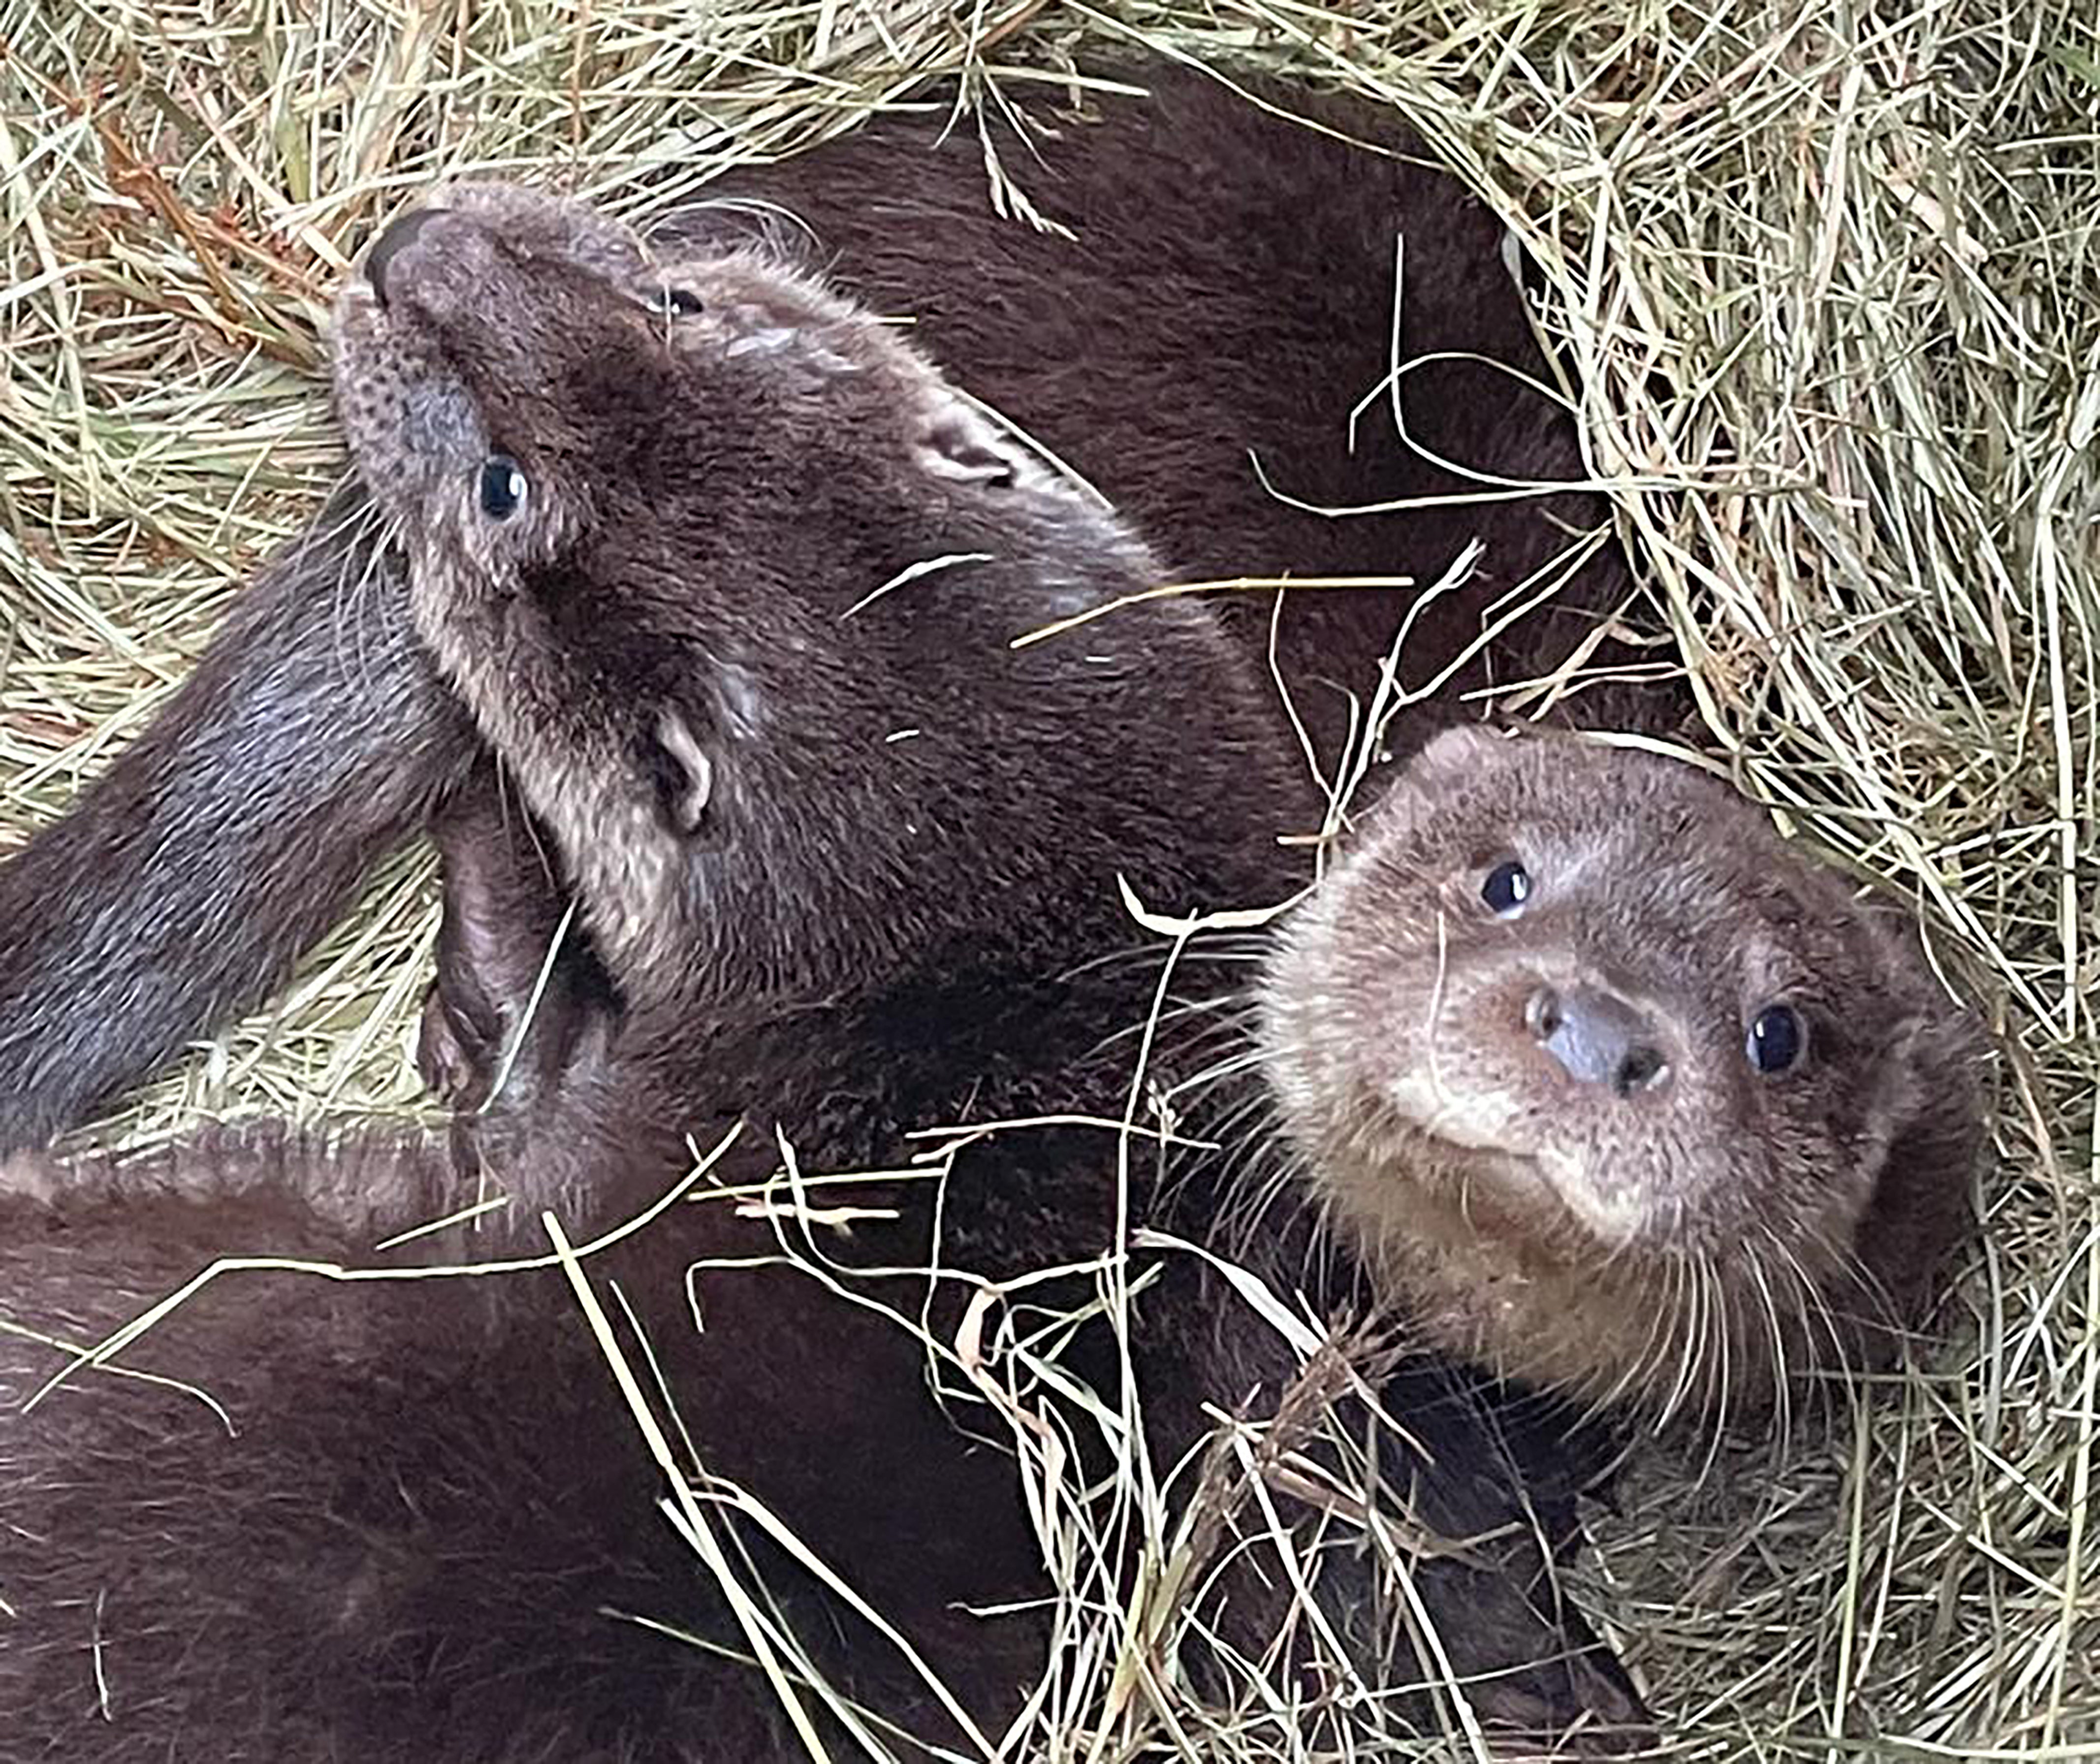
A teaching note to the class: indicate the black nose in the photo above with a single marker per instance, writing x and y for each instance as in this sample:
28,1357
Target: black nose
1597,1039
390,244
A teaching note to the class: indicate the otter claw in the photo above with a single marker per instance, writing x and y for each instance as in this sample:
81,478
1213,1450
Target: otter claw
455,1055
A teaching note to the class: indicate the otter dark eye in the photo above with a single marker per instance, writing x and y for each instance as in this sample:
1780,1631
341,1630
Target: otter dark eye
1507,887
502,487
681,303
1778,1038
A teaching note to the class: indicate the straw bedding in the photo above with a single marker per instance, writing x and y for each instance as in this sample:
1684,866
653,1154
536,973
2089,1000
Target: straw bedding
1828,284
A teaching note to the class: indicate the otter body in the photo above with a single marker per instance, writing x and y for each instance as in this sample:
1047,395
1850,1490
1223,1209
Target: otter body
1156,349
665,523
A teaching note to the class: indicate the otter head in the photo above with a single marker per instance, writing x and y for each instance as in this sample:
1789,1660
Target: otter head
730,576
1620,1093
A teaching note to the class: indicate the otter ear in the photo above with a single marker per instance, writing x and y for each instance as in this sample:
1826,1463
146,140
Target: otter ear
685,776
1934,1109
957,444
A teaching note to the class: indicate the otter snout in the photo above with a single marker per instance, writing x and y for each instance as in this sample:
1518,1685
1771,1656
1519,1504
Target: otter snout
1598,1038
390,243
437,264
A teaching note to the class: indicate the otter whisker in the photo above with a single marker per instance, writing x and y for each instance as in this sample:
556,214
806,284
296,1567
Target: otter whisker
1687,1342
1882,1309
1816,1307
1248,1132
366,590
1663,1312
1252,1137
1237,1064
1775,1336
1212,947
1433,1009
1721,1392
1674,1329
366,534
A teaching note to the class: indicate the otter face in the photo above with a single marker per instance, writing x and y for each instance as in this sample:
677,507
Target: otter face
672,525
1614,1083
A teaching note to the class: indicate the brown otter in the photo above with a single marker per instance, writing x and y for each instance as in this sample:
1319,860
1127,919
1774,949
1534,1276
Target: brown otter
313,735
1623,1095
667,522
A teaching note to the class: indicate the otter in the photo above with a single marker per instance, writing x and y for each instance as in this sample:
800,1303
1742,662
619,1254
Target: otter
1621,1094
846,858
314,735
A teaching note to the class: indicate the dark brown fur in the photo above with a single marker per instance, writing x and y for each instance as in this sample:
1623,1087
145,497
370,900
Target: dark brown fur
410,1547
1158,349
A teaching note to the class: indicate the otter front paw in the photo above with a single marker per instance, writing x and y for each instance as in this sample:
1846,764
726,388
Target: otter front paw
502,911
1585,1710
459,1044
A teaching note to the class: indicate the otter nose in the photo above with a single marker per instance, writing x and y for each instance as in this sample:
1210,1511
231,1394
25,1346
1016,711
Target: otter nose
1597,1038
391,243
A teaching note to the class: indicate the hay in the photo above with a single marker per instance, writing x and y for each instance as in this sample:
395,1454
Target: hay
1829,280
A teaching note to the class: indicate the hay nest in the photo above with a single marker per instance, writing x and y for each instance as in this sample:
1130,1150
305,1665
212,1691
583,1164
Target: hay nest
1829,281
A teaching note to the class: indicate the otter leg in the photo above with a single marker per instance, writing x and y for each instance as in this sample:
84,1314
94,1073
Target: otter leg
503,951
520,1007
1473,1487
1484,1475
313,737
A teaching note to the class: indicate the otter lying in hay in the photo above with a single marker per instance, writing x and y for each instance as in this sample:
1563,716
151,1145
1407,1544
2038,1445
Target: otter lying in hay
1156,350
848,857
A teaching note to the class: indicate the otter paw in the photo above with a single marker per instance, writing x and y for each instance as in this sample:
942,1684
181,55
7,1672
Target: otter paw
459,1046
1595,1714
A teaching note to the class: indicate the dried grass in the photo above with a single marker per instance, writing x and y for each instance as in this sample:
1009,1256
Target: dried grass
1829,279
